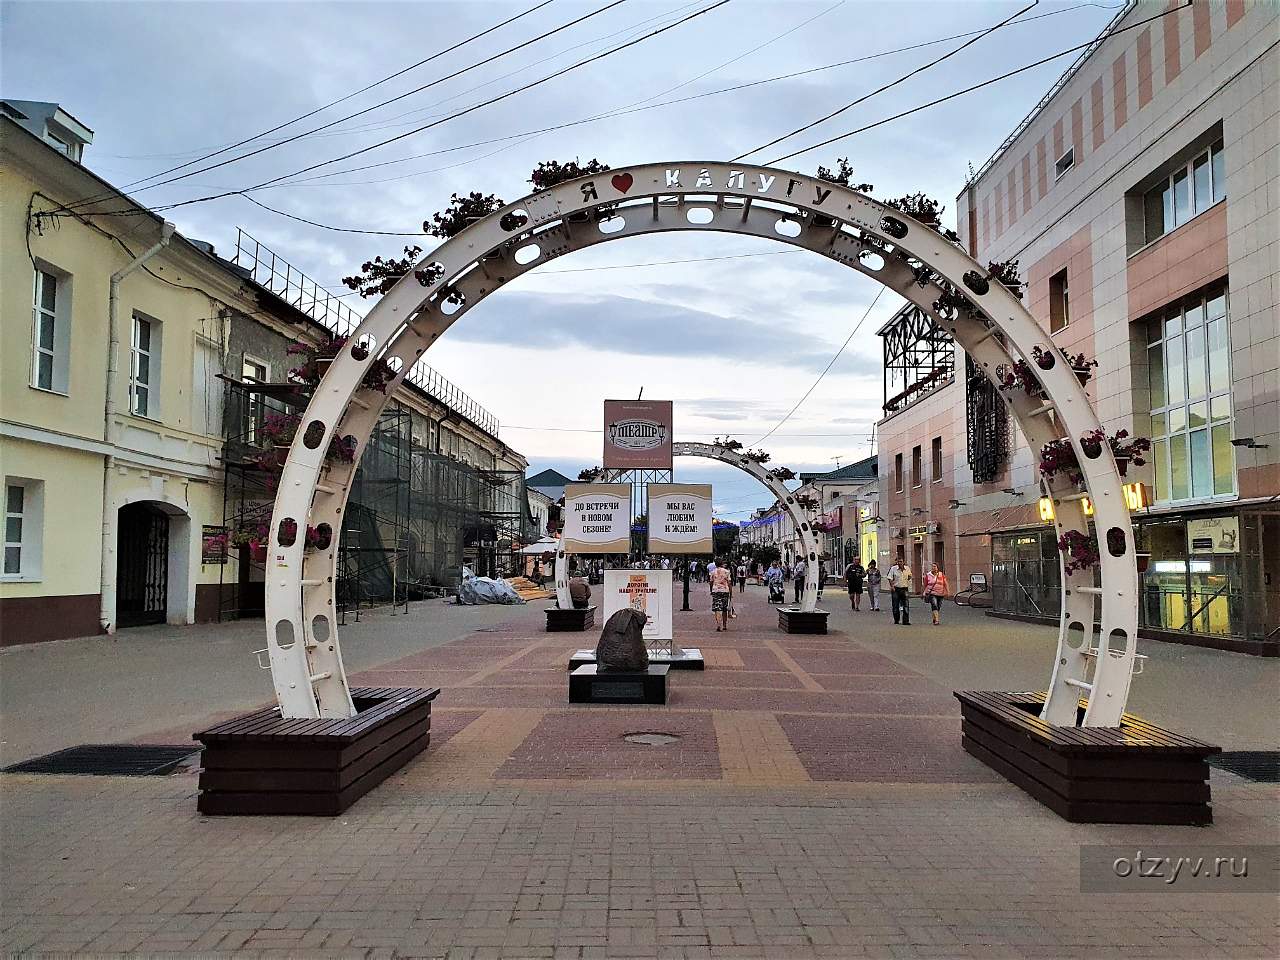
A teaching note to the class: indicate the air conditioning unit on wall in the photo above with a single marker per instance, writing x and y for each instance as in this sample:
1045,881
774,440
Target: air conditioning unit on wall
933,527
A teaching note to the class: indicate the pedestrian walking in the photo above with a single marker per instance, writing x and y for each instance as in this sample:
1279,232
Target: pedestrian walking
936,589
742,577
900,597
873,585
822,576
797,578
854,576
720,584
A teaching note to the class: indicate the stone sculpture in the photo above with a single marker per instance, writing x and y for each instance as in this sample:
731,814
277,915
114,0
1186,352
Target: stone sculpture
621,646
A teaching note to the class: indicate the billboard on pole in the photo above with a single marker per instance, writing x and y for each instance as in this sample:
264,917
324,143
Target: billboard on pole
637,434
597,518
680,518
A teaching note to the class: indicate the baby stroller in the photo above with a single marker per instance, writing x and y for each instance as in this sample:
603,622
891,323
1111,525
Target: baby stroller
777,594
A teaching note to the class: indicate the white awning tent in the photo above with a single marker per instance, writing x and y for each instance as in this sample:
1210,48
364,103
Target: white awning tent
545,545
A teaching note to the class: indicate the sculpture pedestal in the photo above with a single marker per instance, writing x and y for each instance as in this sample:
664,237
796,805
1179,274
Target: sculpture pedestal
615,686
1134,773
795,620
571,619
689,658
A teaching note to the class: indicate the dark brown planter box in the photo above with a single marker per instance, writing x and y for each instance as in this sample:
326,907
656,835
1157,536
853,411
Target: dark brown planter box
260,764
574,619
1134,773
798,621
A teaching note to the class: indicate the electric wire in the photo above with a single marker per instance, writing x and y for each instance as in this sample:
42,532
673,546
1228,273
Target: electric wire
288,181
376,106
825,370
890,85
624,111
510,93
978,86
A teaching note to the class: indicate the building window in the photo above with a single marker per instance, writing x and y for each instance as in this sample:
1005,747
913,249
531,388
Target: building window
22,528
253,371
144,371
915,467
1189,366
1059,302
937,459
897,471
1190,189
50,330
1065,163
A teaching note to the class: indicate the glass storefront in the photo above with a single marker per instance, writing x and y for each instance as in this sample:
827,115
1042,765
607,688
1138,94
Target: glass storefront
1213,574
1025,575
1193,582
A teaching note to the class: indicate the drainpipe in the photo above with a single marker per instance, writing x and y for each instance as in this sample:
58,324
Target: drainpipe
106,614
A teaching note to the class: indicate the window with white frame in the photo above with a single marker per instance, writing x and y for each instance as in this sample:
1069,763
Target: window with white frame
253,371
1064,163
1190,189
23,506
1189,366
50,335
144,370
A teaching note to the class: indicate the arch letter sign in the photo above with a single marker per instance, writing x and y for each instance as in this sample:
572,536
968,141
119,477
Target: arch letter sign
988,321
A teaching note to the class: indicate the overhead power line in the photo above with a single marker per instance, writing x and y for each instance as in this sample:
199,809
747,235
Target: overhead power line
825,370
426,86
624,111
888,86
460,113
978,86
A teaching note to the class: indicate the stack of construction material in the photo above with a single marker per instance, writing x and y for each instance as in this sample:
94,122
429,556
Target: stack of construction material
528,590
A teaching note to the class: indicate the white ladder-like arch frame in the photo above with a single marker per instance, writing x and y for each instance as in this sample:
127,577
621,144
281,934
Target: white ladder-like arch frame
911,258
801,517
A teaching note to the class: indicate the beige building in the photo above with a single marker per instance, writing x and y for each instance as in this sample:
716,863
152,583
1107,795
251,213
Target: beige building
1140,199
118,338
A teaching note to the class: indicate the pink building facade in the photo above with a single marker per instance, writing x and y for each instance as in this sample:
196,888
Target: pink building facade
1141,199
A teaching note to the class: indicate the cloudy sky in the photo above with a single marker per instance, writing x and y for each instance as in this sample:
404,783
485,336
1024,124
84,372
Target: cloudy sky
735,333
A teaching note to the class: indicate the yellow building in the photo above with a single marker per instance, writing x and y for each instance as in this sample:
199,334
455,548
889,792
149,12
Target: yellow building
115,329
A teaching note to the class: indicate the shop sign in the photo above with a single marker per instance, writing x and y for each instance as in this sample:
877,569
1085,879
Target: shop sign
1213,535
597,518
213,545
918,534
637,434
680,518
648,591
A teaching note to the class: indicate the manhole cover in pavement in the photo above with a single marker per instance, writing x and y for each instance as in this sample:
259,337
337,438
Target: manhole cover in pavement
651,739
110,760
1260,766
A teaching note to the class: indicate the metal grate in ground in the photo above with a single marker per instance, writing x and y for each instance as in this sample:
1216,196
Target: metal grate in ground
1261,766
110,760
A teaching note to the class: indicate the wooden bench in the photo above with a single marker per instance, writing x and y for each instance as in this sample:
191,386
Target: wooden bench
794,620
573,619
1134,773
260,764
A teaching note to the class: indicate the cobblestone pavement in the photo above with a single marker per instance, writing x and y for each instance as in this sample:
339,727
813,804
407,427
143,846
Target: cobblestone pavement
816,803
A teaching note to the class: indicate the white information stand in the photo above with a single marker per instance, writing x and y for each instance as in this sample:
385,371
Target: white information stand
650,591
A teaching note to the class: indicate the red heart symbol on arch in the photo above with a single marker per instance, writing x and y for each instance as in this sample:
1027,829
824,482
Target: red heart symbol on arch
622,182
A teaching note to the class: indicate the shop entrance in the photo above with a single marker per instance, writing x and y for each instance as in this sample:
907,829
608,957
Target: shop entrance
142,566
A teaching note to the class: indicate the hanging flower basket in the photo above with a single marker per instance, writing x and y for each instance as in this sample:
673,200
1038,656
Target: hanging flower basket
1080,550
1126,450
1019,376
1058,456
1091,444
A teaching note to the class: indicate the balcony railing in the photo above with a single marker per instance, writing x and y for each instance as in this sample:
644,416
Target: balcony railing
332,312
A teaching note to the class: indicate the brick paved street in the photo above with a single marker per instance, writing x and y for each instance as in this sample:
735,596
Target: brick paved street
815,803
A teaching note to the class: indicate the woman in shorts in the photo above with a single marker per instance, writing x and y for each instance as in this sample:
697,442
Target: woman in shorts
721,583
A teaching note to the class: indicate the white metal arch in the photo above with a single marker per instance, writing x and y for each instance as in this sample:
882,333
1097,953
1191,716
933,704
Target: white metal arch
914,260
801,516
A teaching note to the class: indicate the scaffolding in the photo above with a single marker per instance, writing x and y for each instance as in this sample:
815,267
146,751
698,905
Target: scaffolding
415,517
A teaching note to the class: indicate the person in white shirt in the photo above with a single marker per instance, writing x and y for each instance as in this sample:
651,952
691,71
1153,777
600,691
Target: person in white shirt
900,591
797,574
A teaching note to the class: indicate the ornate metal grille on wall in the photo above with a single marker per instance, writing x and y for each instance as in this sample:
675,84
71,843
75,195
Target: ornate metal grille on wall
919,357
988,425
